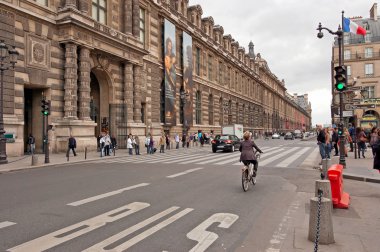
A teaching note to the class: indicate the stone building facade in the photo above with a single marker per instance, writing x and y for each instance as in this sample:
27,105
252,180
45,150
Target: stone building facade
100,63
361,56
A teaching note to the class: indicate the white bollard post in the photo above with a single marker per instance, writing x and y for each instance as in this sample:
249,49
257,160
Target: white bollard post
325,186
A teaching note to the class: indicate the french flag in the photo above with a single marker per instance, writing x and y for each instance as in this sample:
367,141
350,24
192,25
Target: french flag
350,26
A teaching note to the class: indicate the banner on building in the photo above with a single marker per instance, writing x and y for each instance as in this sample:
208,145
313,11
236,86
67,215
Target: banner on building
187,79
170,72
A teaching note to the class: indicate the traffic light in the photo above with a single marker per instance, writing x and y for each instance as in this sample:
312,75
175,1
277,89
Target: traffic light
340,78
45,105
340,129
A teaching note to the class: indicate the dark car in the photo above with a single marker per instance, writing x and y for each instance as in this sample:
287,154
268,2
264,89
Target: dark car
225,143
289,135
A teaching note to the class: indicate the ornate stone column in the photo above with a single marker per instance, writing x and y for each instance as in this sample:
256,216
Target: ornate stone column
135,18
128,16
71,78
83,5
84,84
128,90
137,81
71,3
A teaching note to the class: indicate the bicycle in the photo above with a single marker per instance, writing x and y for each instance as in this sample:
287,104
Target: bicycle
248,174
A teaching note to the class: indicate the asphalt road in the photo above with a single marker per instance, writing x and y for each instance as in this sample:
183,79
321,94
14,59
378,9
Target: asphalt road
183,200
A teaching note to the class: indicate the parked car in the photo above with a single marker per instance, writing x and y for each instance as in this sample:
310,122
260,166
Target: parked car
276,136
225,142
289,135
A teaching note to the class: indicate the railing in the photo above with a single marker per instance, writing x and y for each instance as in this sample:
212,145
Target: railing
358,40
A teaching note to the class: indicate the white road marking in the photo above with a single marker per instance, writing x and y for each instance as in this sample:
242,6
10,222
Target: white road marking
5,224
105,195
101,245
263,158
65,234
219,158
206,238
293,157
184,173
124,246
173,160
271,159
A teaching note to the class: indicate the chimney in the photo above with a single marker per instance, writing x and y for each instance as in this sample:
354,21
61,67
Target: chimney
373,12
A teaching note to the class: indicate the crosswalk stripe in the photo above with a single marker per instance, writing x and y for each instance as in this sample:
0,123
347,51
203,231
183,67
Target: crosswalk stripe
124,246
183,173
293,157
105,195
267,154
155,158
194,157
5,224
273,158
101,245
68,233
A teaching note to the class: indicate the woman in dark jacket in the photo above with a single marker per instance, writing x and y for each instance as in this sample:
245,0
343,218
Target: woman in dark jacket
376,150
247,155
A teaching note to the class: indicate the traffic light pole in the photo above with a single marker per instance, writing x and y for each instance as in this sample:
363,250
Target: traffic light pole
342,152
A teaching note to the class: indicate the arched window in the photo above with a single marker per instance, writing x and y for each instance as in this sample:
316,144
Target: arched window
210,110
198,107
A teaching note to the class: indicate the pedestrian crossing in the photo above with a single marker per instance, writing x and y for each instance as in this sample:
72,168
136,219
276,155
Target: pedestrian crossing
279,156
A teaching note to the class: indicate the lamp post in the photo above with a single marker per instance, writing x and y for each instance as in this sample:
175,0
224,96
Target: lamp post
339,33
5,54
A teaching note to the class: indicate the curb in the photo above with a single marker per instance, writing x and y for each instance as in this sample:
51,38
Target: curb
361,178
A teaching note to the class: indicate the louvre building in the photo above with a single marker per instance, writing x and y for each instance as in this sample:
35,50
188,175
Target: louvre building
132,66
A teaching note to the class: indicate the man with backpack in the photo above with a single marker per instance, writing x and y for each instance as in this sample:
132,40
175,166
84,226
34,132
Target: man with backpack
31,143
72,145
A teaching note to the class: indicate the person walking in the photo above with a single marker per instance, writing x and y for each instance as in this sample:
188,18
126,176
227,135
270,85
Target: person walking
328,144
72,145
129,144
167,140
373,140
113,143
107,144
183,140
147,142
151,145
351,131
376,149
321,140
137,145
334,140
102,142
162,144
31,144
176,141
361,141
187,140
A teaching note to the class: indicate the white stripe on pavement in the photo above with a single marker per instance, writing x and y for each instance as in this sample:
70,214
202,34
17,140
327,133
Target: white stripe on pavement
71,232
105,195
184,173
271,159
5,224
173,160
101,245
266,155
293,157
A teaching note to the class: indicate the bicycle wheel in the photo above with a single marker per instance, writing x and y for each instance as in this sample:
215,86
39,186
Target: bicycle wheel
245,180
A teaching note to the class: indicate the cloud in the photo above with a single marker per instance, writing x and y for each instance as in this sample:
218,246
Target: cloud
284,33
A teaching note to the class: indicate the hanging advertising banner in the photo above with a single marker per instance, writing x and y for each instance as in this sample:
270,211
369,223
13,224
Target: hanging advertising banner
188,79
170,72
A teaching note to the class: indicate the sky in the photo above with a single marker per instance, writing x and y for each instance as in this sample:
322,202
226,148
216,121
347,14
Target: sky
284,33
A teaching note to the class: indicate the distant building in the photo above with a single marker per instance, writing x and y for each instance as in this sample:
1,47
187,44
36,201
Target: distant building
362,57
303,102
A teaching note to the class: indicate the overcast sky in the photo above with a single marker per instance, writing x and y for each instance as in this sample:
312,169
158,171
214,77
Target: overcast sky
284,33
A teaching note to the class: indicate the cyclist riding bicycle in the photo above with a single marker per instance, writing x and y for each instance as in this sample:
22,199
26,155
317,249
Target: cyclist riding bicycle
247,155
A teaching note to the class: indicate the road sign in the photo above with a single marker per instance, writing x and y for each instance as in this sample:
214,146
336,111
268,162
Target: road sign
355,88
348,113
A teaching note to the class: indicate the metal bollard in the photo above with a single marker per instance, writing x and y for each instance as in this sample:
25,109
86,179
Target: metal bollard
68,155
114,151
85,153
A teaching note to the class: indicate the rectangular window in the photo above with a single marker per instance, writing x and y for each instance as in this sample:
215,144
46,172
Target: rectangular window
371,92
369,70
198,107
368,52
210,67
143,112
42,2
367,37
198,61
347,54
348,71
142,25
99,11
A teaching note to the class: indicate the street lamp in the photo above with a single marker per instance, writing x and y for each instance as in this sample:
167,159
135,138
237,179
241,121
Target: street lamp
5,54
339,33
